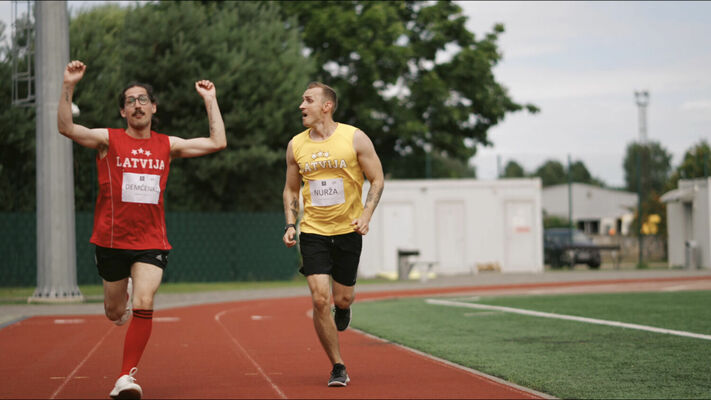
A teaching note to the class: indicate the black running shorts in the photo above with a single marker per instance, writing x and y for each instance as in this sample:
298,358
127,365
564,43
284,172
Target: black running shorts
337,256
115,264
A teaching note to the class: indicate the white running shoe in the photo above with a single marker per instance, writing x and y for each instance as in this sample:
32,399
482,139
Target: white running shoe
129,305
126,387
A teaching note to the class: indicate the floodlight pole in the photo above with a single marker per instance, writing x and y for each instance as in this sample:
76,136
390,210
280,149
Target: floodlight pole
56,245
642,100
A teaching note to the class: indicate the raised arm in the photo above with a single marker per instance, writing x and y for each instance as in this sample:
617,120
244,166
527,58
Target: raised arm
183,148
370,164
92,138
291,195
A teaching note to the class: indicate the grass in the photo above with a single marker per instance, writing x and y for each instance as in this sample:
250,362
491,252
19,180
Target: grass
563,358
95,293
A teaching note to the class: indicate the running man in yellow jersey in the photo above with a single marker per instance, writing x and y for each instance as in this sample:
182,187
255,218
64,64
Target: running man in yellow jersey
330,158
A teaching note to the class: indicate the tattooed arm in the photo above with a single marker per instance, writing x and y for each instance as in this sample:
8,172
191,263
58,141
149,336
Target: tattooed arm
370,164
291,196
195,147
92,138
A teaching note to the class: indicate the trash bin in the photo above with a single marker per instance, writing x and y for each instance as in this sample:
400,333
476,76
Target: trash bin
403,262
690,254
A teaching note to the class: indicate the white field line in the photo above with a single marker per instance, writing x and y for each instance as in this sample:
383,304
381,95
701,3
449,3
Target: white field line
74,371
510,385
569,318
675,288
218,316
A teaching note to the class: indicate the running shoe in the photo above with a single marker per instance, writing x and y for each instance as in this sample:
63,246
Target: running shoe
126,387
339,377
129,304
342,318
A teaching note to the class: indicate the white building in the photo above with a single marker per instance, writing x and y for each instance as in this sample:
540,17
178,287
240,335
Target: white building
595,210
457,223
689,223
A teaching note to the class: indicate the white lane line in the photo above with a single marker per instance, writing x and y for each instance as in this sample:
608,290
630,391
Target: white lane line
166,319
569,318
244,352
71,375
69,321
675,288
509,385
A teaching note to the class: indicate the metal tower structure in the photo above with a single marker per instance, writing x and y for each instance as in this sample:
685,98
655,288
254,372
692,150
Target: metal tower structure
56,245
642,99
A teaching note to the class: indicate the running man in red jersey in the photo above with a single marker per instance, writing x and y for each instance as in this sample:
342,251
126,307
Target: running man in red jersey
129,219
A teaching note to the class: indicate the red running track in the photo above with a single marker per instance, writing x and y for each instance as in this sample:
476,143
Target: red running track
249,349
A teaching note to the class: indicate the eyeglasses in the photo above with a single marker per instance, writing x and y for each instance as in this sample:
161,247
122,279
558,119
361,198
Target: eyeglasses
142,100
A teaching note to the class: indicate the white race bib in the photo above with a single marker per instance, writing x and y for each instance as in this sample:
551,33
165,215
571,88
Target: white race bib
140,188
327,192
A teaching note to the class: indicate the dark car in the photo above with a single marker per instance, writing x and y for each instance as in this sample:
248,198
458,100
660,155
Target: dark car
558,249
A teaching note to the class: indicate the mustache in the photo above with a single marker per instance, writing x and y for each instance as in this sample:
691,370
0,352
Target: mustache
138,112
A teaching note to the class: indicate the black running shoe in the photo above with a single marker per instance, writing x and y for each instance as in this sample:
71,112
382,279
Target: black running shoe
339,377
342,318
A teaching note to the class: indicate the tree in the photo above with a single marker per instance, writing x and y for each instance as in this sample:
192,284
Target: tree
95,38
650,164
411,167
579,173
654,164
514,170
409,74
17,153
551,172
696,164
256,62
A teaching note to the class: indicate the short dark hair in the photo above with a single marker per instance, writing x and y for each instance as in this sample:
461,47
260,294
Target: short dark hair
149,90
328,92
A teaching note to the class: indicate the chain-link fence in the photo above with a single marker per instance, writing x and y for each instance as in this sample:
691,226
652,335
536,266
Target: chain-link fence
207,247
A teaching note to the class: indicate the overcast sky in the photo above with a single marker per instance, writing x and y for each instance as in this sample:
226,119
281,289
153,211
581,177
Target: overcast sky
580,63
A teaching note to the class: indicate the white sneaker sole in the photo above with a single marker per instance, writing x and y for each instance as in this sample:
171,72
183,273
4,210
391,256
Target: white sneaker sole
336,383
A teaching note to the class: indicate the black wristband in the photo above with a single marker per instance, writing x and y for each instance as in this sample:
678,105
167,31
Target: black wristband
286,228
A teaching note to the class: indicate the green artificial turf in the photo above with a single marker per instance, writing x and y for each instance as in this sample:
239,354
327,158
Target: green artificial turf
566,359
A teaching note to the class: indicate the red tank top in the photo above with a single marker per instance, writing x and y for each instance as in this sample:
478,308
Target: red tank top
129,207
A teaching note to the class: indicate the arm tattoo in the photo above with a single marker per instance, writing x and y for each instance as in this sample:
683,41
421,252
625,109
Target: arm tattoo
373,197
295,209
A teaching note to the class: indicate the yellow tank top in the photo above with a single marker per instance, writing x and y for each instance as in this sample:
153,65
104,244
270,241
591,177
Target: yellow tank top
333,181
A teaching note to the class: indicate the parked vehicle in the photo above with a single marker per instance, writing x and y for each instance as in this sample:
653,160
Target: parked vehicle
558,250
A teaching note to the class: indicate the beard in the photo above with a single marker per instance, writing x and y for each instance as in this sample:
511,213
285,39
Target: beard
139,124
